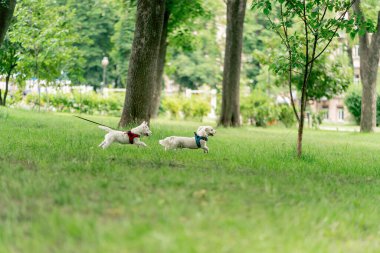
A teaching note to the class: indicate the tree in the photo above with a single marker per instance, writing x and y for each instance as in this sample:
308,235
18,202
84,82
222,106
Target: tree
306,30
369,51
6,12
143,62
230,114
157,86
9,57
94,22
47,46
179,23
122,42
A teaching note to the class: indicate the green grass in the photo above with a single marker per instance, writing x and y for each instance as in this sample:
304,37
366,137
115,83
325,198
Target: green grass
60,193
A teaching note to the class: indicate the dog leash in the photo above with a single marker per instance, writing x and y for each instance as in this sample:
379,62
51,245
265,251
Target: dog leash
91,121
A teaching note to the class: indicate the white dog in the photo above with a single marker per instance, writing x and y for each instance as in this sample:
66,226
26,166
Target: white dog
198,141
131,137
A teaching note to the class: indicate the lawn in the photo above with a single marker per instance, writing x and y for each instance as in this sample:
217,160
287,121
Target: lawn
60,193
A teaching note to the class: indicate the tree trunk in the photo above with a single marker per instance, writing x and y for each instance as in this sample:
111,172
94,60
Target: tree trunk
350,54
230,115
7,8
143,62
300,133
369,52
6,88
160,66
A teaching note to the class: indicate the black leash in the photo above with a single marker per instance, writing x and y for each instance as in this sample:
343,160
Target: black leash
92,121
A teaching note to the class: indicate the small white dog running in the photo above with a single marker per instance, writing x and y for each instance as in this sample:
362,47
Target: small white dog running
198,141
130,137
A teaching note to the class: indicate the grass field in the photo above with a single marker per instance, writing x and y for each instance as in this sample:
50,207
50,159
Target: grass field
60,193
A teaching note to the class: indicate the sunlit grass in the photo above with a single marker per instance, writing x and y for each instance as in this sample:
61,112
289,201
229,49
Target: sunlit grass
60,193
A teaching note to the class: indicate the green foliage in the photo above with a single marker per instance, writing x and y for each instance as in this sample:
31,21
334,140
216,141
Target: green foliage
187,109
47,47
200,108
193,56
286,116
305,30
122,43
172,105
15,98
93,23
9,56
258,109
353,102
90,103
257,39
194,107
317,119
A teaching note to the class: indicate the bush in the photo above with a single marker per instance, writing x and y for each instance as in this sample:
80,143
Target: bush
317,119
15,98
258,109
195,107
286,116
187,109
172,105
200,109
90,103
353,102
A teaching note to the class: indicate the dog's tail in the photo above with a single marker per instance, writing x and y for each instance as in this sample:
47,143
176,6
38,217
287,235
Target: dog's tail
167,142
107,129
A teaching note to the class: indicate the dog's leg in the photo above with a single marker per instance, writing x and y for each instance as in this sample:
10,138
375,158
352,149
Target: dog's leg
101,144
106,144
204,147
139,143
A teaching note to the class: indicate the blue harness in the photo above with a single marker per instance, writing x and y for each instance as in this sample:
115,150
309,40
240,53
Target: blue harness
198,139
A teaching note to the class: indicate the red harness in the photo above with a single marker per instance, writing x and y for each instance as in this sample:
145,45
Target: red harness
132,136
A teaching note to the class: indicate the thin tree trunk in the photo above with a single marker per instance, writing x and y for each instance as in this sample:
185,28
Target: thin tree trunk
350,54
230,115
349,49
6,88
1,98
369,52
160,66
7,8
300,133
143,62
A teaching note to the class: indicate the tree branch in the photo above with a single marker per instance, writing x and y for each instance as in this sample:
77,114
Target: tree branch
285,29
336,30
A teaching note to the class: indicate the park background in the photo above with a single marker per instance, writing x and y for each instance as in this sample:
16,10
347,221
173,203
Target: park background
251,193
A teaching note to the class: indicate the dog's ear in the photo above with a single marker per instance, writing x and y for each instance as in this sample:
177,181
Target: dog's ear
202,132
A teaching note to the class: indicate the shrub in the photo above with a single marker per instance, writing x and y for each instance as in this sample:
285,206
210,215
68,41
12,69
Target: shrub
317,119
200,109
258,109
90,103
172,105
187,109
15,98
353,102
286,115
195,107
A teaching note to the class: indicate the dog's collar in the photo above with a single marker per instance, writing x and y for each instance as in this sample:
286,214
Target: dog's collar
199,138
131,136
